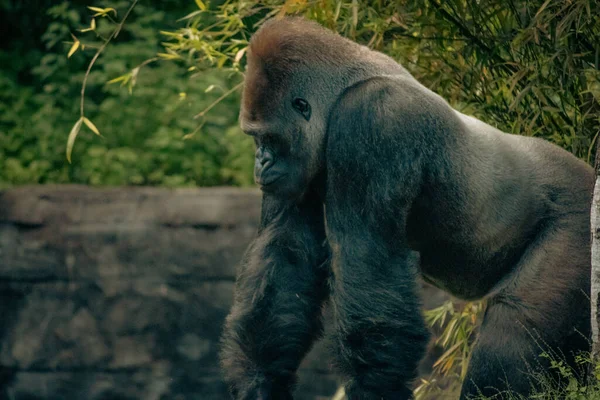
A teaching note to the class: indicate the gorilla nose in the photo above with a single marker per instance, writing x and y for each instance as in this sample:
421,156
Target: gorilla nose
264,157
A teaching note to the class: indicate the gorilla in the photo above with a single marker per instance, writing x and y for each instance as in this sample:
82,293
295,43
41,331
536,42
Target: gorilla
370,180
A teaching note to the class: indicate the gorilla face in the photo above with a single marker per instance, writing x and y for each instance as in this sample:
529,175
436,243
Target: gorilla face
286,119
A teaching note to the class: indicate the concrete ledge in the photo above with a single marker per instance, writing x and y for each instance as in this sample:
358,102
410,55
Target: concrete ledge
120,293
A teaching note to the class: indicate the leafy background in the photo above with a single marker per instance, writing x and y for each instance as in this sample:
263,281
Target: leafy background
143,133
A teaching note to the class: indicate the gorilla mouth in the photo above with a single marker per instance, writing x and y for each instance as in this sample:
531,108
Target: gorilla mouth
264,183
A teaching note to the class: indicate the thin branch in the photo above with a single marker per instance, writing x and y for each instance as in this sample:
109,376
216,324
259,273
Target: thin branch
217,101
100,50
397,32
148,61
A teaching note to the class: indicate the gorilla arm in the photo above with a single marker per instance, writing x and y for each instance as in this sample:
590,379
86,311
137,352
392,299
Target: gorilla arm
281,285
376,146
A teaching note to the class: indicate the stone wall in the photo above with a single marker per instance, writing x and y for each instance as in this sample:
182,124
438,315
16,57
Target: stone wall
120,293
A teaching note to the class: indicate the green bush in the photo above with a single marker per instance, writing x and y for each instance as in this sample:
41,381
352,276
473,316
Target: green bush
143,133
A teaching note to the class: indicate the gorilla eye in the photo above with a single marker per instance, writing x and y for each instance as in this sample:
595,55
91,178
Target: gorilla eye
302,107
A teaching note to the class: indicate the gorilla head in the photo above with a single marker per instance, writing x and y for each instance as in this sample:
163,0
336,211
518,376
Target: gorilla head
284,112
288,93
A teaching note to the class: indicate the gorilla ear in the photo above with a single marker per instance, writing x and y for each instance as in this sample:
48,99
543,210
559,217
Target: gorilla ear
302,107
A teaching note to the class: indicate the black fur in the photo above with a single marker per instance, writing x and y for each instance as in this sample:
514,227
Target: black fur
281,286
409,186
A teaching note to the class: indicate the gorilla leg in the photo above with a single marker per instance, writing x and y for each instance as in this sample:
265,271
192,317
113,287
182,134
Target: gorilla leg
276,315
504,357
542,309
379,333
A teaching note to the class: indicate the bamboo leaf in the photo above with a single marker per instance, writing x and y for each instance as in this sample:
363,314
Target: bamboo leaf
172,34
91,125
73,48
168,56
201,5
239,55
448,352
71,140
190,15
338,8
188,136
221,62
90,29
103,11
134,75
123,78
448,333
519,97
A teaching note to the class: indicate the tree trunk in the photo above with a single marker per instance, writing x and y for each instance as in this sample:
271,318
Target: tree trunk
595,289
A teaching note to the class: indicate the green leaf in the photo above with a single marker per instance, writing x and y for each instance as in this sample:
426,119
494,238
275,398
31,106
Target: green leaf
168,56
338,8
239,55
542,8
190,15
90,125
73,48
122,78
172,34
201,5
91,28
71,140
447,354
103,11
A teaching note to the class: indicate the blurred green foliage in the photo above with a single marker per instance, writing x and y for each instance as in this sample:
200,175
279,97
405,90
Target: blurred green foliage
143,133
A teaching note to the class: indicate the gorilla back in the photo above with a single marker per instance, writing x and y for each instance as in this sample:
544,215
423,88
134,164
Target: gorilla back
410,187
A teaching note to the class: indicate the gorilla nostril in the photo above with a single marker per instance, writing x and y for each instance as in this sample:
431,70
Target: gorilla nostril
267,159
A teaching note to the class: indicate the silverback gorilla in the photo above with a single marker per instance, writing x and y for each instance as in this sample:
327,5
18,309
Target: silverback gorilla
369,180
